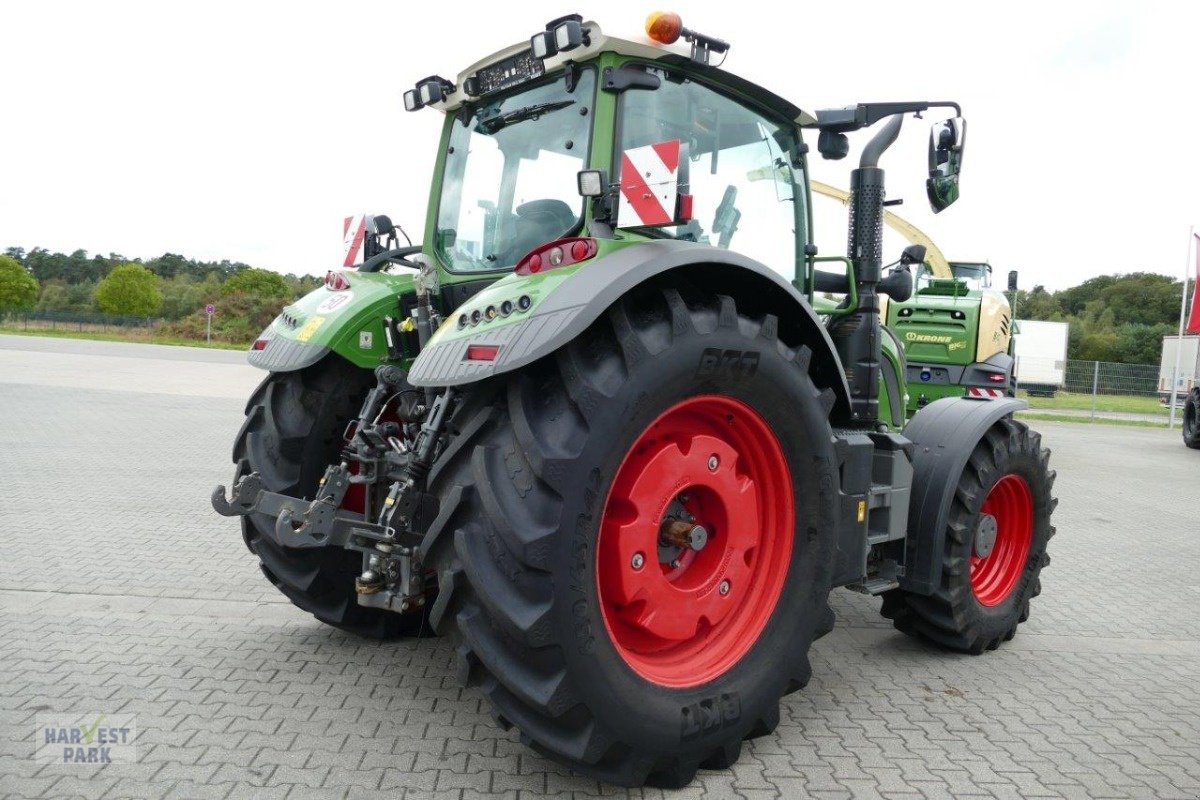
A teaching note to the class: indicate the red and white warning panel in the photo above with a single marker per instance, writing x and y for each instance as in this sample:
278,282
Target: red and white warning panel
354,231
978,391
649,184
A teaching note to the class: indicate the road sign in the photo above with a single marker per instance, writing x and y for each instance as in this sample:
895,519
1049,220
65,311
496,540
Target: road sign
210,309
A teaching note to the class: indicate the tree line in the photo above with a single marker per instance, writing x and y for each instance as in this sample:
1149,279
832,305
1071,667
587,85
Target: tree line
171,288
1120,318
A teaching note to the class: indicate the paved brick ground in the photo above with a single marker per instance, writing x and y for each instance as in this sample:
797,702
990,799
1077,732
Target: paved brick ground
121,592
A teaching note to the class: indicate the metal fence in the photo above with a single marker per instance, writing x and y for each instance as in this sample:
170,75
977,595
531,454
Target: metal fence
1093,389
73,321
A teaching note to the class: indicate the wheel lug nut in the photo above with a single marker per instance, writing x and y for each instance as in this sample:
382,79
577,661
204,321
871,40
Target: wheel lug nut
713,463
723,588
638,561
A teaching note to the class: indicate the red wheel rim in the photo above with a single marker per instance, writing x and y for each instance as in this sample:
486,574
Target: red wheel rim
680,617
994,577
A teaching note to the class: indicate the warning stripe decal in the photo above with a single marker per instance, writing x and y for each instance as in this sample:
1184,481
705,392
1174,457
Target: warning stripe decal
354,231
976,391
649,184
639,196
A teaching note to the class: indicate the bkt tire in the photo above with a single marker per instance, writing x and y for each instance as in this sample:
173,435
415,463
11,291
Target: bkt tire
1191,420
627,654
293,431
1004,496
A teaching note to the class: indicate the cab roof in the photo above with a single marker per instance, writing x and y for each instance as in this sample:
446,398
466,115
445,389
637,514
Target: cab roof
670,55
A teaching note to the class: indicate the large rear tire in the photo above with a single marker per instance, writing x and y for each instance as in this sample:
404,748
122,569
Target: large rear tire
1004,497
1191,420
551,502
293,431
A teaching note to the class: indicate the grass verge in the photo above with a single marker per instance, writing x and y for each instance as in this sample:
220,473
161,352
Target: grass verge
1135,404
140,337
1034,414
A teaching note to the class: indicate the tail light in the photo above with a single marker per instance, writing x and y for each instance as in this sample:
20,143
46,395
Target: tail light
559,253
996,377
259,344
482,352
336,281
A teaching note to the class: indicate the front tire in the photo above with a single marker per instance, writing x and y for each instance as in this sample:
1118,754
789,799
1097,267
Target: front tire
293,431
552,500
1004,498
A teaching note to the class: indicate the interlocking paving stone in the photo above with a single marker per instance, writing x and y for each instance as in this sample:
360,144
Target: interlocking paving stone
121,592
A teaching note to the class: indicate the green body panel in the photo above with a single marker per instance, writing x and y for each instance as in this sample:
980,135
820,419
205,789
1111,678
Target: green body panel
931,392
324,318
892,360
931,334
512,286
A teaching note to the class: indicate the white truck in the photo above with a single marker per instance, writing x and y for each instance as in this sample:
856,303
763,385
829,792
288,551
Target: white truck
1041,353
1189,368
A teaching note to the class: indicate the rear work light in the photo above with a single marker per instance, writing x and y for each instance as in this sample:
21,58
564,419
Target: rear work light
482,352
559,253
336,281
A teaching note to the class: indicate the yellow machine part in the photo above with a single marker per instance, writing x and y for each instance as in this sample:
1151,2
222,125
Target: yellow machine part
995,326
933,256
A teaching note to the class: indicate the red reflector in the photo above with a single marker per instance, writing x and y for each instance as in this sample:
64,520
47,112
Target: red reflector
259,344
482,352
996,377
684,213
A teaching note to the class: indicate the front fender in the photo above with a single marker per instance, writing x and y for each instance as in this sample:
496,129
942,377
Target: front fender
347,322
564,302
944,433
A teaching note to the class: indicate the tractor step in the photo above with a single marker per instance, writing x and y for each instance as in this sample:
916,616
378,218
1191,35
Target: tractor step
876,586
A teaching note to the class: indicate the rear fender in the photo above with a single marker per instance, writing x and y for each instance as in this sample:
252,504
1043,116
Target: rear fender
943,433
564,302
347,322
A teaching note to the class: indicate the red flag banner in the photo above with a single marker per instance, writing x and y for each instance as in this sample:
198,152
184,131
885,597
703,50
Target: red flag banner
1193,325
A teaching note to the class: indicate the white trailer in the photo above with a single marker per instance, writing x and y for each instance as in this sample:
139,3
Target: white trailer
1189,367
1041,353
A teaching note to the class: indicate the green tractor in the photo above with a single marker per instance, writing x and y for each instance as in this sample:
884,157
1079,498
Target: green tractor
594,430
957,333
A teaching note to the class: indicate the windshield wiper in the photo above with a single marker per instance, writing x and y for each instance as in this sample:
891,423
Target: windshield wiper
521,114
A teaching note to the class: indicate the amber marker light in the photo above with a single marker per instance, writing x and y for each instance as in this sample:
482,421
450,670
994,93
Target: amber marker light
664,27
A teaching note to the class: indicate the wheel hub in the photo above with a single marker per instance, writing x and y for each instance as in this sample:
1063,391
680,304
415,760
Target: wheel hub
707,488
985,535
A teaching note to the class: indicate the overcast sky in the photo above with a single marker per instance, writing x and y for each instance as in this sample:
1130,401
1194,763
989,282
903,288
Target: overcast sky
248,130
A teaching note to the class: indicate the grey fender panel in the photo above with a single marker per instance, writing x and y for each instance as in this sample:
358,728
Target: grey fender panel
943,434
576,304
284,355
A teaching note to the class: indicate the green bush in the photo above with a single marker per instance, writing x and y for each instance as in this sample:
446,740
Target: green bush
257,283
18,289
129,290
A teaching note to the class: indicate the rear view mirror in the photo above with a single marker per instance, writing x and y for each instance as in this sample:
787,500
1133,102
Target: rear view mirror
913,254
1012,280
946,142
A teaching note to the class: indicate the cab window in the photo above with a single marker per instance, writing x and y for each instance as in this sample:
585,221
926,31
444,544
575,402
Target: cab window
734,162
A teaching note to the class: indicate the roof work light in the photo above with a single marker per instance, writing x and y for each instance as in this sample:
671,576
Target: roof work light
666,27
